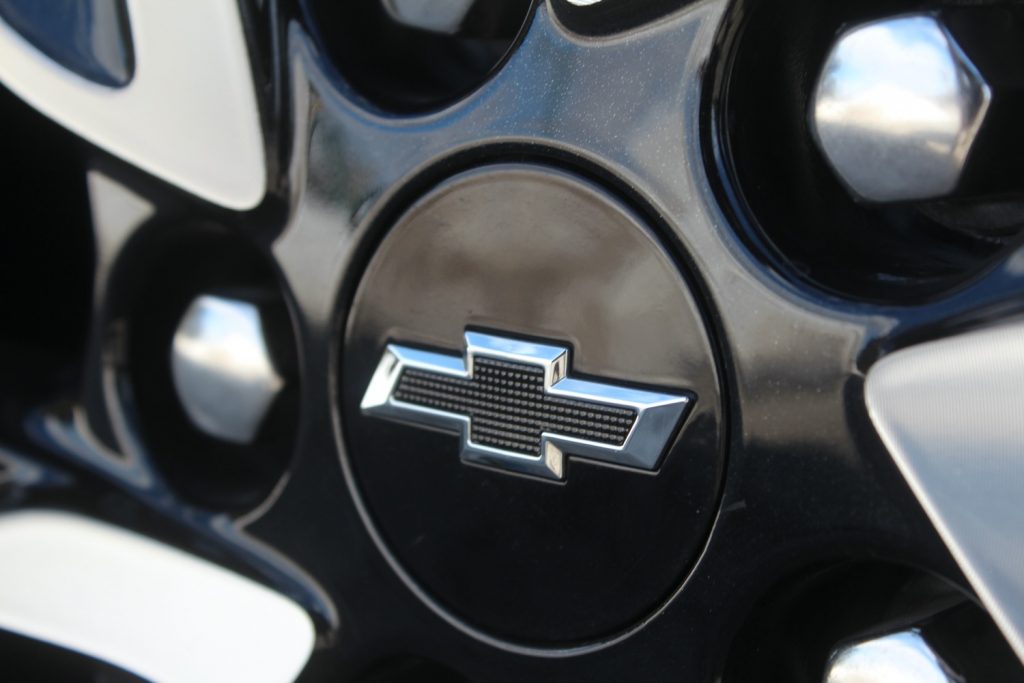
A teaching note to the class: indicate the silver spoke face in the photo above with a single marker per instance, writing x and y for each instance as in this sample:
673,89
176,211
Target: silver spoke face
950,413
188,114
140,605
504,341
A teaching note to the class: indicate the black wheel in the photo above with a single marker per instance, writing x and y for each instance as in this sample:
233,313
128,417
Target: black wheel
511,341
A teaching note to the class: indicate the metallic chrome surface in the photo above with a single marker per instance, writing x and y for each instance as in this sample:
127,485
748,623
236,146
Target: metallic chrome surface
658,414
191,52
143,606
897,658
436,16
222,369
896,109
951,413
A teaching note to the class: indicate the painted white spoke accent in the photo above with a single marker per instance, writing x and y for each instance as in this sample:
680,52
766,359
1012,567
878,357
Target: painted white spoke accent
143,606
188,115
951,412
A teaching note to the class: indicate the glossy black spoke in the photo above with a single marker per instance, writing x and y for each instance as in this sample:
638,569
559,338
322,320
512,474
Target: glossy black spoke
684,256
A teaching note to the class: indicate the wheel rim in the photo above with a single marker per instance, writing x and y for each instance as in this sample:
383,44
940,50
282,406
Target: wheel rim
808,483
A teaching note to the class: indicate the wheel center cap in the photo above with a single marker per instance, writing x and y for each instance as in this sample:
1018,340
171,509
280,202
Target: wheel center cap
531,409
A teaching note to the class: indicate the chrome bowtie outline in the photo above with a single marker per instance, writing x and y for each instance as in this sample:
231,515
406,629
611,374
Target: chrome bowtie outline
657,414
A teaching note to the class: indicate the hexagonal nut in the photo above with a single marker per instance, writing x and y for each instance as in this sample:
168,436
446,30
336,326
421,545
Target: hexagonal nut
902,657
222,369
896,109
435,16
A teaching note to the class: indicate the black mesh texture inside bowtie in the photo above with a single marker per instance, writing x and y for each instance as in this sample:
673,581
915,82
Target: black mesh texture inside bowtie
508,409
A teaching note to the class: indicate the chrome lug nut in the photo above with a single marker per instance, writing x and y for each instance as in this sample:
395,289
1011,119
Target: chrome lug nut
434,16
903,657
222,368
897,108
483,19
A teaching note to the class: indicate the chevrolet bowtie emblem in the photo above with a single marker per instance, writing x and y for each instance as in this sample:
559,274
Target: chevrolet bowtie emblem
515,408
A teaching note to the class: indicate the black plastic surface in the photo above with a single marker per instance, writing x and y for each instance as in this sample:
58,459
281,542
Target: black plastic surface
508,408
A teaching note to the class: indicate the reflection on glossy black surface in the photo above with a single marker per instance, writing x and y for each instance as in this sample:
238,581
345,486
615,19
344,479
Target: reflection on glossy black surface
33,661
83,451
402,67
792,631
807,479
533,252
604,17
75,470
